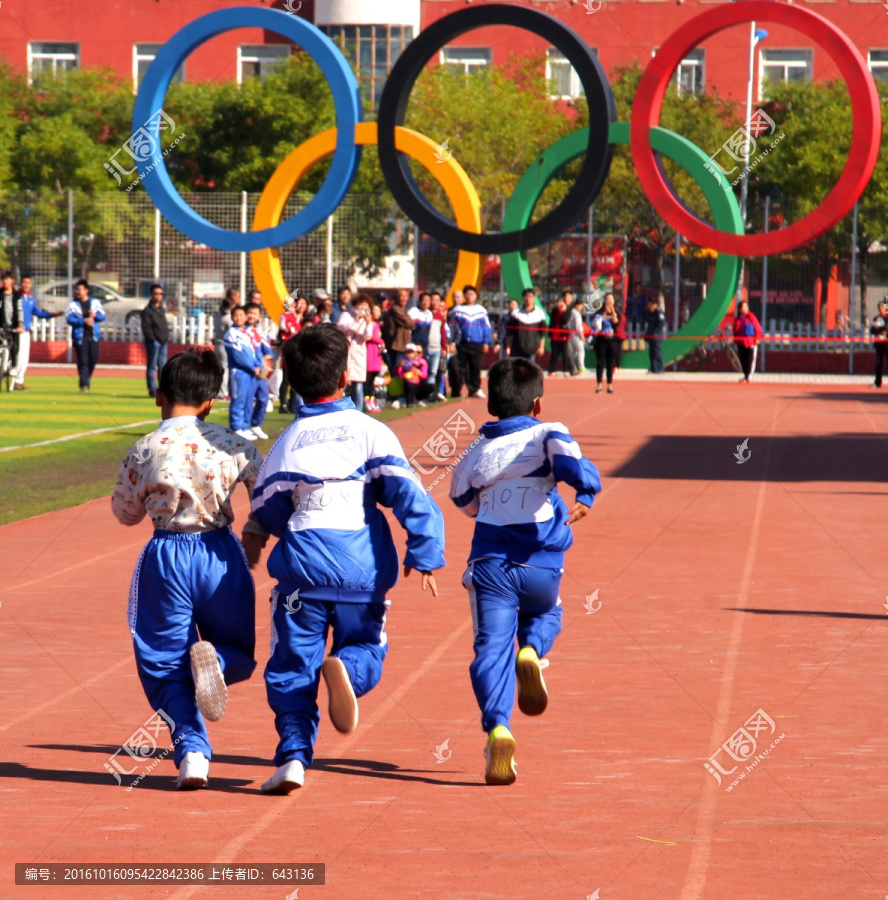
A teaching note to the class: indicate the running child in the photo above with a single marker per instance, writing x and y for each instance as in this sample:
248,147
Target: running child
507,483
319,492
192,600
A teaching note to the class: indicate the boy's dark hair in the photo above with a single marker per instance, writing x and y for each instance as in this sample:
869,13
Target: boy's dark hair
315,360
155,287
7,274
191,377
234,309
249,306
470,287
513,385
78,283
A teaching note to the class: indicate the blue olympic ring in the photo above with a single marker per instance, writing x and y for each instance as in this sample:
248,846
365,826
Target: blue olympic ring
346,99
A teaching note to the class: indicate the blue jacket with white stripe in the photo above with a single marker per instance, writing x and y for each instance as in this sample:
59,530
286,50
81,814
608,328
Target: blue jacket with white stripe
319,491
507,483
473,323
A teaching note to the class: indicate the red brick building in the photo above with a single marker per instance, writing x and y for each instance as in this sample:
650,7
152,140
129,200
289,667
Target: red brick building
124,34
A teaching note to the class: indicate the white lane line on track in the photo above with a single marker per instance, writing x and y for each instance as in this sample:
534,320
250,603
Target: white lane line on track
71,437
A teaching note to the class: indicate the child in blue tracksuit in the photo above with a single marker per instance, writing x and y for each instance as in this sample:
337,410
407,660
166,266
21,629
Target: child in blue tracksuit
265,359
507,483
244,369
319,492
192,600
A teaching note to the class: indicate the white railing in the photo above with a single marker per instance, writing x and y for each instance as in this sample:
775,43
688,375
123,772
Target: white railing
183,329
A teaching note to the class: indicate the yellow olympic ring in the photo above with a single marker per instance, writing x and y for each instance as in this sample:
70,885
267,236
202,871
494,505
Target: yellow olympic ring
460,191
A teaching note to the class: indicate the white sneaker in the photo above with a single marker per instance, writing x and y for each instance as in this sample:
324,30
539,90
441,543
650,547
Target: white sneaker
480,395
259,433
396,404
441,397
422,403
193,772
288,777
269,407
210,692
248,433
343,702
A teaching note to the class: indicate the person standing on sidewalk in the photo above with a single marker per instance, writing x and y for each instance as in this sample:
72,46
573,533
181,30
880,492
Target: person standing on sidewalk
397,330
654,334
747,334
879,331
30,309
475,334
559,333
156,334
11,315
83,315
527,327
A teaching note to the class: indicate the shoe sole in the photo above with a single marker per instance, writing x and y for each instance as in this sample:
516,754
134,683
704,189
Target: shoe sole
533,698
500,761
343,705
210,691
191,784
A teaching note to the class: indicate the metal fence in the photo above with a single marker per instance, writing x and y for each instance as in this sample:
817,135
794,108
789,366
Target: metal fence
121,240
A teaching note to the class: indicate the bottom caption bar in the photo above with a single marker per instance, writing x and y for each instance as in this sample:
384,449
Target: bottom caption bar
190,873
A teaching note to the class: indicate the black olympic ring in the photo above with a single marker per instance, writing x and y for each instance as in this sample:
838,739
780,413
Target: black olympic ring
393,108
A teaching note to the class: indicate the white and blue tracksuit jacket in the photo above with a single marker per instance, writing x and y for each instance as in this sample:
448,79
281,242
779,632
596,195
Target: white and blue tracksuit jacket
319,491
473,323
74,317
240,350
507,483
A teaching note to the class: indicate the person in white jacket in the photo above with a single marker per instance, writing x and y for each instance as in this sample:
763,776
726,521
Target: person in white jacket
358,327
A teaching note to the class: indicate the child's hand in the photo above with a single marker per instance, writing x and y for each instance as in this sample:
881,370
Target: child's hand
577,512
253,546
428,580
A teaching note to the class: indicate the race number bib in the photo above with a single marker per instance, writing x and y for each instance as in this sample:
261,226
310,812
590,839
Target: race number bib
333,504
517,501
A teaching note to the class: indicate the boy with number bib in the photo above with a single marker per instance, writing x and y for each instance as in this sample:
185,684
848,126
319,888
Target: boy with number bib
507,483
192,600
319,492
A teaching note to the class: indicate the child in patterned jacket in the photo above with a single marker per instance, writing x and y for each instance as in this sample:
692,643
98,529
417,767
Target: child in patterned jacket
192,598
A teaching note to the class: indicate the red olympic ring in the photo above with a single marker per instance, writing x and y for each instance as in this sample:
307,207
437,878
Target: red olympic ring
865,136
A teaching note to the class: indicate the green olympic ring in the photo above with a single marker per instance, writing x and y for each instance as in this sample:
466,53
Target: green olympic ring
719,196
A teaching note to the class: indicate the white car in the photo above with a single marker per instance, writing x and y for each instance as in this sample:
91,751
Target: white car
55,297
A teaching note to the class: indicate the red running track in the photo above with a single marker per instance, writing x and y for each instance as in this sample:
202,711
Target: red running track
725,588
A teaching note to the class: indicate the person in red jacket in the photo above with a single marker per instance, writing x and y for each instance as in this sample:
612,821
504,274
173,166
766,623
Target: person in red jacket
747,334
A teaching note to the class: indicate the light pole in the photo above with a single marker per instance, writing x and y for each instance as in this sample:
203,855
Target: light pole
755,35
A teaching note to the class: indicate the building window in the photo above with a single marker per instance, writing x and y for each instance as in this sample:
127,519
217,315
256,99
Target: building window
782,66
691,73
373,50
469,59
564,83
878,63
52,58
259,59
143,56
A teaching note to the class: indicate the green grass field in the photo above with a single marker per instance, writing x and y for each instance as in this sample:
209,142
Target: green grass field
43,478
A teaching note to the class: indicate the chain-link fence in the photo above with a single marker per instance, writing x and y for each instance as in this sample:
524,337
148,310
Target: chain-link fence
121,244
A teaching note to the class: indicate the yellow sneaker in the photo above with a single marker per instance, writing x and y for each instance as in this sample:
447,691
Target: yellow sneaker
500,751
532,694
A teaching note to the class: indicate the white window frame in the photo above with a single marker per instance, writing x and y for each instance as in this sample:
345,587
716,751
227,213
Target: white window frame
696,62
806,53
449,57
282,52
574,85
55,57
881,70
140,57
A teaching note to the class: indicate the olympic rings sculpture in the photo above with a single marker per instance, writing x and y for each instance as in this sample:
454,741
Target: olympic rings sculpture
721,200
395,143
